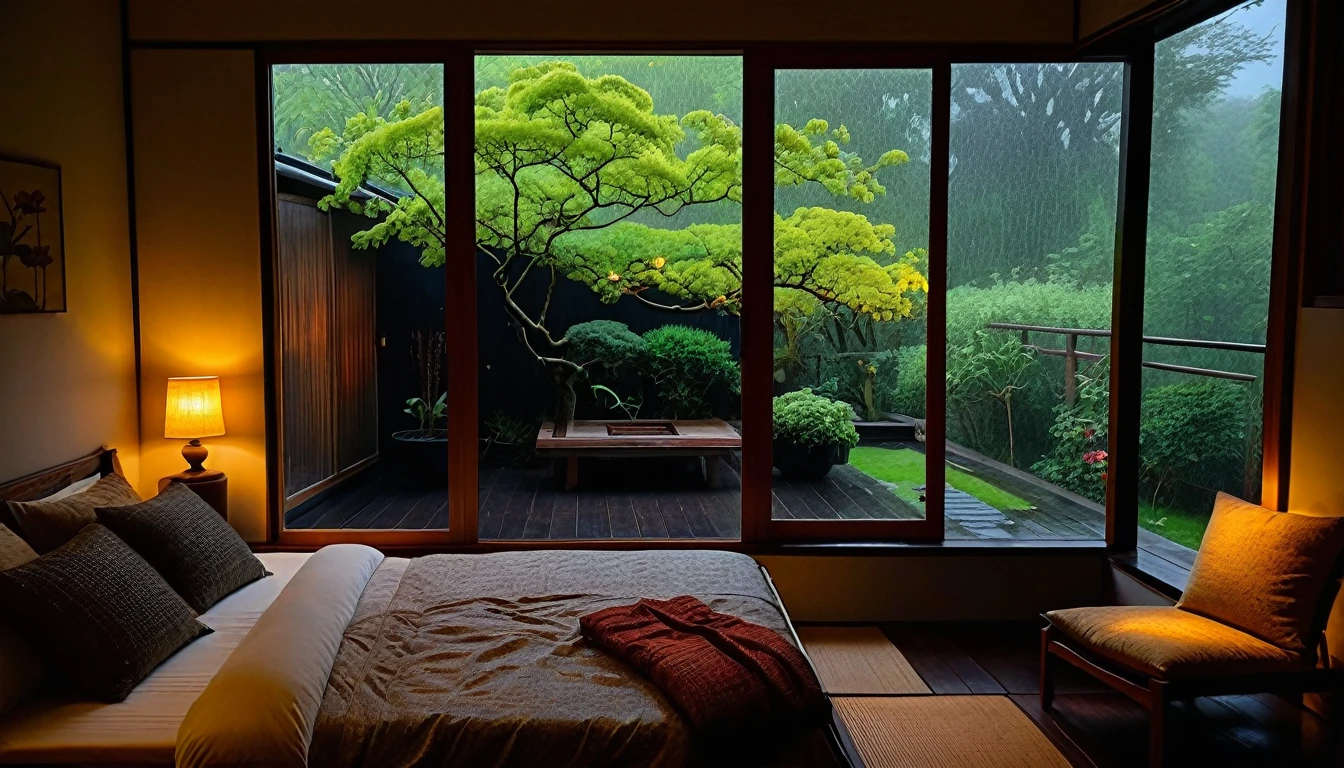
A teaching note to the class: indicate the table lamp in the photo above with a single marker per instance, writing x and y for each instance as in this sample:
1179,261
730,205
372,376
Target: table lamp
193,411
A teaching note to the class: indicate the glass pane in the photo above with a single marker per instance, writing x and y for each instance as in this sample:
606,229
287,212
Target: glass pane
1031,232
1210,227
852,172
609,249
360,286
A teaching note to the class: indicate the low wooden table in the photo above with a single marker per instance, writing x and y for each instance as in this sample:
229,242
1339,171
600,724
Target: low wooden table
711,439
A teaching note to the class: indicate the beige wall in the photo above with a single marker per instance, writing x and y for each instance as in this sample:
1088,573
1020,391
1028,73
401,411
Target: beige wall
67,381
898,20
200,260
1096,14
1318,422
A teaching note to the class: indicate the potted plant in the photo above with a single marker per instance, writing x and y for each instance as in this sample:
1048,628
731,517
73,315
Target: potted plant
423,452
812,434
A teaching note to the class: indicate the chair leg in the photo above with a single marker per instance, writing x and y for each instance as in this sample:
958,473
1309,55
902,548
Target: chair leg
1158,709
1047,671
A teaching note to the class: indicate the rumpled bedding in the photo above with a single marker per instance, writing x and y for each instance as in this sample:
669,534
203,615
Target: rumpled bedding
477,660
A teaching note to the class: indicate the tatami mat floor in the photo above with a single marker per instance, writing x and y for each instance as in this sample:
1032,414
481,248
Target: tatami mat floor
893,722
965,695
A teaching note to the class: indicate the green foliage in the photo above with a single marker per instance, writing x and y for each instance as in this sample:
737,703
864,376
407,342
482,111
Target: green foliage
908,397
1029,302
424,413
323,99
816,154
997,371
606,343
1193,433
1212,280
807,419
689,367
822,256
568,169
509,440
1078,460
629,407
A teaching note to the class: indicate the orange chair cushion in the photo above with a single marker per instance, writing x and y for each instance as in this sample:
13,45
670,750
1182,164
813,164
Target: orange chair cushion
1264,572
1169,643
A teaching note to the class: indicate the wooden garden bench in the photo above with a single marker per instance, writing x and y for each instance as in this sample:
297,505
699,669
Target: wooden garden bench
711,439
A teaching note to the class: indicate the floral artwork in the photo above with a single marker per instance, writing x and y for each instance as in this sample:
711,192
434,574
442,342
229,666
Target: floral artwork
32,246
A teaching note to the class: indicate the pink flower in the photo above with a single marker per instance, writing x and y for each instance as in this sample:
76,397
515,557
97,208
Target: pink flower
1088,433
1092,457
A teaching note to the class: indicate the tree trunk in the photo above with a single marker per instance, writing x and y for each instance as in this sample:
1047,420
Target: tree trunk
562,376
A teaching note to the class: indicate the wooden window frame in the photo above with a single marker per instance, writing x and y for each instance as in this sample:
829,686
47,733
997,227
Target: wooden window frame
760,61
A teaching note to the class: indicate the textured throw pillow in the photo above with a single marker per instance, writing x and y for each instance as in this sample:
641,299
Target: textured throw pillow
21,672
1263,572
98,614
185,539
49,524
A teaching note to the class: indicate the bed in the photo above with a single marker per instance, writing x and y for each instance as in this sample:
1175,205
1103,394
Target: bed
349,659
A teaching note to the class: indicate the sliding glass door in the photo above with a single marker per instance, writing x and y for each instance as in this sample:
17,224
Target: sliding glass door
359,290
608,256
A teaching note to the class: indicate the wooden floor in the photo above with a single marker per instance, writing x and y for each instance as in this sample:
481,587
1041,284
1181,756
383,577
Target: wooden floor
668,498
1094,726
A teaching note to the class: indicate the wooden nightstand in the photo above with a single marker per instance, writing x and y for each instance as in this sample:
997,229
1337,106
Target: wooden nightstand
210,484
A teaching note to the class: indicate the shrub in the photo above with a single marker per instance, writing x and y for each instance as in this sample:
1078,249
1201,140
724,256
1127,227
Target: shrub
908,396
607,343
808,419
1078,461
689,366
1192,435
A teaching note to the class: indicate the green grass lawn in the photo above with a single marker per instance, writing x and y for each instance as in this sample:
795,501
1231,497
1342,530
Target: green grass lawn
904,468
1176,525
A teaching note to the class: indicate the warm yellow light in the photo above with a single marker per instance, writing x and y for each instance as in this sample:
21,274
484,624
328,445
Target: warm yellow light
193,408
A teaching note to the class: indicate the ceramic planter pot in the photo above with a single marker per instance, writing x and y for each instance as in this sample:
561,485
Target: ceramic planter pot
423,455
808,462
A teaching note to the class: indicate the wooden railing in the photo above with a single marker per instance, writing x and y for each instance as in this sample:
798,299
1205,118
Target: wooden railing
1072,355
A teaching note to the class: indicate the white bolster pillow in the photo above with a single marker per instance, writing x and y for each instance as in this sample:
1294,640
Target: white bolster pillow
259,709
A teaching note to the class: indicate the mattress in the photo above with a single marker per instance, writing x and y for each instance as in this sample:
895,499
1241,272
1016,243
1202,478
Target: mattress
56,728
467,660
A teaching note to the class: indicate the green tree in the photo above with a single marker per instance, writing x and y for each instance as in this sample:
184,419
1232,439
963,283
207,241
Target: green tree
312,97
564,165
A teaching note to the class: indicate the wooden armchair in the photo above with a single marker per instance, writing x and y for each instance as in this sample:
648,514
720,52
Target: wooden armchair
1251,620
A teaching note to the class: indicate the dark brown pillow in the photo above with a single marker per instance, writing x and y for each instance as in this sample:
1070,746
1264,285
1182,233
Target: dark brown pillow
191,546
48,524
99,615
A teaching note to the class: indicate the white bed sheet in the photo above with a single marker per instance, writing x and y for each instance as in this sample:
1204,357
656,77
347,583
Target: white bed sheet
57,728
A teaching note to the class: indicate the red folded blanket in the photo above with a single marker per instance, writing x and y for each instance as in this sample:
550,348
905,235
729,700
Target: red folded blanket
723,673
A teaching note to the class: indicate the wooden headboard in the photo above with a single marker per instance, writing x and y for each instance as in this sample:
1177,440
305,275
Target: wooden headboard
48,481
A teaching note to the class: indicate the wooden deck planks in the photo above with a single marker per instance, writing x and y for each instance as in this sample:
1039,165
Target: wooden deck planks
625,502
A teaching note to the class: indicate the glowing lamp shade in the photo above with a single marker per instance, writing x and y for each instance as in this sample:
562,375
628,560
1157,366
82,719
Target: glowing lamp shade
193,412
193,409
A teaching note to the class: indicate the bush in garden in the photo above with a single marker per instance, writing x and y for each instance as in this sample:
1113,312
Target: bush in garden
1192,441
981,425
907,395
689,367
1078,461
606,343
807,419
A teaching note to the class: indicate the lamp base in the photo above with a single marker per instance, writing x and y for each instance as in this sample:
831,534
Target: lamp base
195,454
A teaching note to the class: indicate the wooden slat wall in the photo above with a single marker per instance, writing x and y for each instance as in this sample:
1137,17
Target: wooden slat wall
355,355
305,288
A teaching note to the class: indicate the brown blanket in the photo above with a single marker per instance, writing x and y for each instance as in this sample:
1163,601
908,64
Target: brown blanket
477,660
